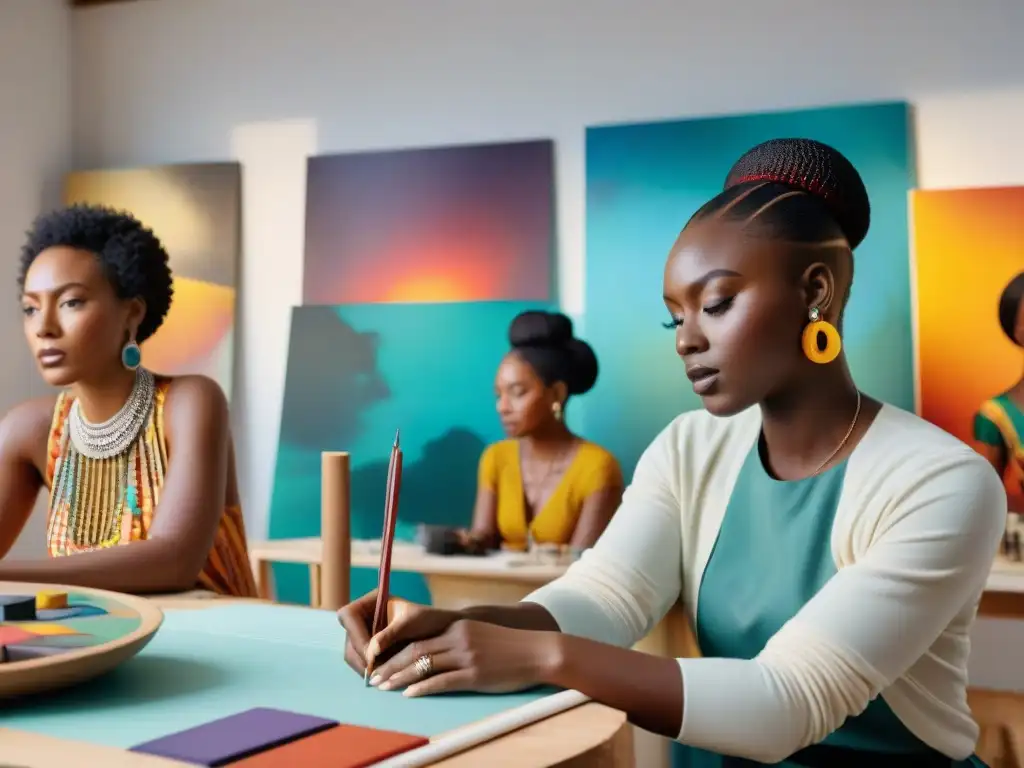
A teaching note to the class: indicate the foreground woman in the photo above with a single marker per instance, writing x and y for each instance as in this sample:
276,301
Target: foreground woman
831,550
140,468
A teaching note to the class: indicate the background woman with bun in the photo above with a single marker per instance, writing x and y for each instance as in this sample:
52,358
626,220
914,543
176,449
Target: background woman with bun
999,423
544,483
830,549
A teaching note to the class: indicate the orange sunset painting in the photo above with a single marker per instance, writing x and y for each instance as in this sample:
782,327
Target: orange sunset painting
195,210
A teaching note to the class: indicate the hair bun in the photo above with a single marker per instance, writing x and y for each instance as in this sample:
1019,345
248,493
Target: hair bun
535,328
816,169
546,340
583,367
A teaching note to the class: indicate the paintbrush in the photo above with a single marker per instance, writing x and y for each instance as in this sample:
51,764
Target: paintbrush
387,541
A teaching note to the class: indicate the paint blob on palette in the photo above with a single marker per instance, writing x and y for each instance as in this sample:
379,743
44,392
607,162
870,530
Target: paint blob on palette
47,624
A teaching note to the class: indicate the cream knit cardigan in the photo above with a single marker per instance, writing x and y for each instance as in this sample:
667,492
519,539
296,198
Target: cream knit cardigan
917,527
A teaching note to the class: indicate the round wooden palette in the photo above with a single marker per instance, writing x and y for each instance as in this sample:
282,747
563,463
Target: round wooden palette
55,636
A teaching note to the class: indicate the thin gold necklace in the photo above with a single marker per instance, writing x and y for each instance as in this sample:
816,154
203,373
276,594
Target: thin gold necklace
541,483
856,415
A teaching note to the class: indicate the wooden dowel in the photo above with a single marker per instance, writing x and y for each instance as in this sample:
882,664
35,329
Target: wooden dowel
315,583
335,530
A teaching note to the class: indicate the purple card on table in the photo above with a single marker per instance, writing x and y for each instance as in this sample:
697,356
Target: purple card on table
231,738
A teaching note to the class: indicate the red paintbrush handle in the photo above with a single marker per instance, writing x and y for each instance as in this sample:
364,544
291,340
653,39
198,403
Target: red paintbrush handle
380,614
390,522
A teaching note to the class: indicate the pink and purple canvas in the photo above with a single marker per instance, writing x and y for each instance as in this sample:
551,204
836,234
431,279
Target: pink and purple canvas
447,224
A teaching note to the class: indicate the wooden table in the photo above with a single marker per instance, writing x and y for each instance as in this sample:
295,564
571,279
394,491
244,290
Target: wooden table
455,582
590,735
460,580
1004,592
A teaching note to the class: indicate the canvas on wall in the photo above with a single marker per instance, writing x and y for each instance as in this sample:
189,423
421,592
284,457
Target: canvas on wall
195,211
968,247
355,374
644,181
461,223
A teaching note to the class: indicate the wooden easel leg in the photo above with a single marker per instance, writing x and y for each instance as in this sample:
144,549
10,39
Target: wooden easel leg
264,577
315,595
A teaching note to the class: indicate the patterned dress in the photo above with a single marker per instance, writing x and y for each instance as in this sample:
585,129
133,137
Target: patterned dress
118,497
1000,424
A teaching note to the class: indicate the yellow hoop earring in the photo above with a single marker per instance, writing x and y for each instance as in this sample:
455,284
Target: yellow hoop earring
833,344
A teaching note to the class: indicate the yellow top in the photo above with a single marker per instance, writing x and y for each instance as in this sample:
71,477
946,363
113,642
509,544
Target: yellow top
592,469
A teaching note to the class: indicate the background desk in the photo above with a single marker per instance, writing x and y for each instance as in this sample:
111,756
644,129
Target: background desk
502,578
589,735
1004,591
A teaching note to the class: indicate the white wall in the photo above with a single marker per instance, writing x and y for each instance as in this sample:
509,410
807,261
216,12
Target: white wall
35,151
268,82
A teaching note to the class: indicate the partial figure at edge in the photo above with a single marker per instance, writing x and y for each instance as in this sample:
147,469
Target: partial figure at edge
999,422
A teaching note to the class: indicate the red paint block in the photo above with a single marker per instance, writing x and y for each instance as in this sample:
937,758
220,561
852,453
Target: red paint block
344,746
15,635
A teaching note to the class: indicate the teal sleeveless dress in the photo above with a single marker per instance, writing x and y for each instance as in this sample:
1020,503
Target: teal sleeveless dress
773,553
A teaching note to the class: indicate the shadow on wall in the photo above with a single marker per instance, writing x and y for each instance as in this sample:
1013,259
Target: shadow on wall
333,380
438,489
325,408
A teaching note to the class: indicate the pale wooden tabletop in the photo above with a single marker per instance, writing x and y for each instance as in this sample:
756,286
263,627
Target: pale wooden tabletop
585,736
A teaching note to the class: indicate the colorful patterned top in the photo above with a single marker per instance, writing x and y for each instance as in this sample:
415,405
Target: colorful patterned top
96,485
1000,424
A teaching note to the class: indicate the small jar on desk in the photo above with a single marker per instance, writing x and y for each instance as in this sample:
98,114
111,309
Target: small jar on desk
1011,544
551,554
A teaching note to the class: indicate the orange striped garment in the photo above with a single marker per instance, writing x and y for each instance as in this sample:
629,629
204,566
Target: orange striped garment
95,525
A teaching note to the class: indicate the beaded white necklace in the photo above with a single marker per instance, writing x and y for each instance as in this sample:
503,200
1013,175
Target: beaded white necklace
115,435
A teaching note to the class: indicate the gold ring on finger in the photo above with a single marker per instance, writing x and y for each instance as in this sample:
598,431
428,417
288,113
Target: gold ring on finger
424,665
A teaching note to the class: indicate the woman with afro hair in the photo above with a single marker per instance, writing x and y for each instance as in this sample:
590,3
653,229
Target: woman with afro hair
830,550
139,467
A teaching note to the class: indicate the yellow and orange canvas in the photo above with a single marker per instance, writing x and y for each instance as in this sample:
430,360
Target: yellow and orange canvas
967,245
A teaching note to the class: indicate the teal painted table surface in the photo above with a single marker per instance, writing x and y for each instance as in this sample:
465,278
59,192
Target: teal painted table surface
207,663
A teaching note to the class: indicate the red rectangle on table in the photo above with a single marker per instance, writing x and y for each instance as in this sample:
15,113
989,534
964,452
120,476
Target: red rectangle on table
343,746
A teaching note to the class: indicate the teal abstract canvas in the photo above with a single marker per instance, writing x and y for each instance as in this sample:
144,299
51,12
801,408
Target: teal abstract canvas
644,181
356,373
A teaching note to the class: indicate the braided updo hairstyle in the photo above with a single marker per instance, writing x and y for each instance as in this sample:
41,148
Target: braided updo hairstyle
795,189
1010,306
545,341
132,257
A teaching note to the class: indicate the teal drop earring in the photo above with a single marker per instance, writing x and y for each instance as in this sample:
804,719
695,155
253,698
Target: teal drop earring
131,355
